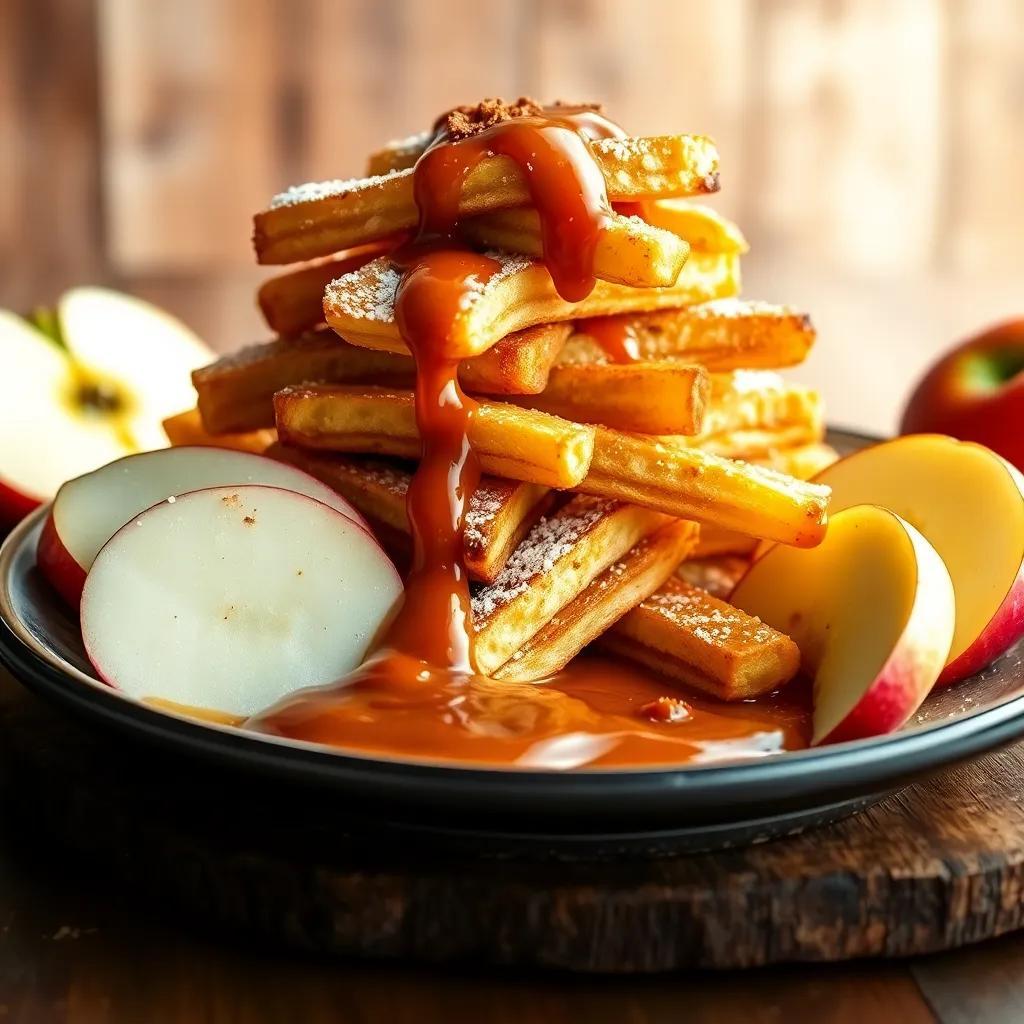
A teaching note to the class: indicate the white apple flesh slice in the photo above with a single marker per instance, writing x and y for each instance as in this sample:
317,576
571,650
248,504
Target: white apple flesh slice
230,598
45,435
141,355
969,503
90,509
872,611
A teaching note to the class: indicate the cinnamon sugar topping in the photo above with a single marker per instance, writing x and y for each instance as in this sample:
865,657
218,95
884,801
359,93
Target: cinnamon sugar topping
464,121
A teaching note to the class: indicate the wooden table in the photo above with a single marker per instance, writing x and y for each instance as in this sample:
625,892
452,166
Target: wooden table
74,948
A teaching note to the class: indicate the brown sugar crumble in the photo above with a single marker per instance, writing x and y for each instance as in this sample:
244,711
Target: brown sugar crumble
462,122
666,709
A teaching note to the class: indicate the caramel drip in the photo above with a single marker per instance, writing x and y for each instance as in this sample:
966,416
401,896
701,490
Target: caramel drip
434,623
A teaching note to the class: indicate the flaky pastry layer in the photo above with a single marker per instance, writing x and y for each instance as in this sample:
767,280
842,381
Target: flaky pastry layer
520,444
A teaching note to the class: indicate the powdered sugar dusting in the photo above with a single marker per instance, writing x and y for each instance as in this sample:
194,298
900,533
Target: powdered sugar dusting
550,540
736,308
745,382
369,292
707,618
311,191
411,143
484,507
381,477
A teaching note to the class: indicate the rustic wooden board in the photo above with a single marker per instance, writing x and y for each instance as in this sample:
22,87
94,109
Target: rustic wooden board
934,867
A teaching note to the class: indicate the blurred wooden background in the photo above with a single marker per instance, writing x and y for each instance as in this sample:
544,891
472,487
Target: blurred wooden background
873,150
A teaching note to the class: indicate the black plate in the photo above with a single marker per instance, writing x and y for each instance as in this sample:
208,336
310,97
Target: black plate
579,812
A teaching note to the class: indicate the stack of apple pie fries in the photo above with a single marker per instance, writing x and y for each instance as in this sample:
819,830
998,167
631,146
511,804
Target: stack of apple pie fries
621,437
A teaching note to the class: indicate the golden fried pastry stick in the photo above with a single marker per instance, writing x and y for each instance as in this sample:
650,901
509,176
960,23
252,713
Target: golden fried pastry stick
237,391
520,444
804,462
761,400
629,251
361,306
500,511
499,515
399,154
724,334
687,634
693,484
705,229
551,566
524,444
188,428
648,398
753,414
319,218
637,574
294,302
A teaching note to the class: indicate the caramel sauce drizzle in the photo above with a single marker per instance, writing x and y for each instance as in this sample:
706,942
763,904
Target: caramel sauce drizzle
418,693
616,336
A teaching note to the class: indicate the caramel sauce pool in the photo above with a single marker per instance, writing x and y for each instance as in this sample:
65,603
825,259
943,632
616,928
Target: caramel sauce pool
418,694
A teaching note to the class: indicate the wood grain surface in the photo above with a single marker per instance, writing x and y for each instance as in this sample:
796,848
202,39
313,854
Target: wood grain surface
872,151
932,868
77,946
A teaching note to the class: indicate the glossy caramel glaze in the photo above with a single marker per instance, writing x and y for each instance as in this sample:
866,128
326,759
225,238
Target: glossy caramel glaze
596,713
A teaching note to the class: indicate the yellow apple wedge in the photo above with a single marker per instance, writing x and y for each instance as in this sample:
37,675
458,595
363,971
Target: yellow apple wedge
969,502
872,611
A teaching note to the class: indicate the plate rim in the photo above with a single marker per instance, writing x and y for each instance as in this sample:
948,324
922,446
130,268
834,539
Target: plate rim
853,768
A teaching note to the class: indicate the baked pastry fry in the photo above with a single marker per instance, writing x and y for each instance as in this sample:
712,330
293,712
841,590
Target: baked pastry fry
320,218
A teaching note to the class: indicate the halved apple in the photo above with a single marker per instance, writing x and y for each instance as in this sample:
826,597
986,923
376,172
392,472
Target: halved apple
137,357
92,387
232,597
46,435
872,611
969,503
90,509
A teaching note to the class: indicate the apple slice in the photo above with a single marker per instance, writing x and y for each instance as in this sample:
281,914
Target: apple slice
90,509
138,356
232,597
871,609
969,503
45,437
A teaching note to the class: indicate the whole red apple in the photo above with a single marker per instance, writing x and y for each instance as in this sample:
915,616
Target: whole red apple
976,393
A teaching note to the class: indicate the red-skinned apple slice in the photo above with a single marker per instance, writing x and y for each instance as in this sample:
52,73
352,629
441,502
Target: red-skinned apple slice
969,503
872,611
232,597
90,509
